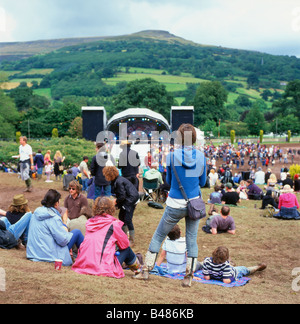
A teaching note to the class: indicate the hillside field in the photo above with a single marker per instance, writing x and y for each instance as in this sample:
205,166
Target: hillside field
173,83
258,239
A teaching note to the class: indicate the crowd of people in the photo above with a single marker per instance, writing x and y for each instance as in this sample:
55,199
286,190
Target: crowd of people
92,240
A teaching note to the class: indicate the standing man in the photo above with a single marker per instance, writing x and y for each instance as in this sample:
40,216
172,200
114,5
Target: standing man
129,162
26,162
85,174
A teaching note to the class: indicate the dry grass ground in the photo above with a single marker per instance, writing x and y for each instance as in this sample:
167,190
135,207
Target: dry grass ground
258,239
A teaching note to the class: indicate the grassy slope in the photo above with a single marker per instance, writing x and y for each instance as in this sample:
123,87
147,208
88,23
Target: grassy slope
257,239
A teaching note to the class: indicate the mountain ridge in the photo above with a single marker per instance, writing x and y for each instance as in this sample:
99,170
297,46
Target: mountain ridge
12,51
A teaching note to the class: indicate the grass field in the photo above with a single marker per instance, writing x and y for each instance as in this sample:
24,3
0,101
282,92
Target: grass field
258,239
173,83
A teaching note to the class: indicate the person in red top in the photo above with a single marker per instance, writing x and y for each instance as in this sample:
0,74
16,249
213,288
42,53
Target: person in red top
287,198
288,204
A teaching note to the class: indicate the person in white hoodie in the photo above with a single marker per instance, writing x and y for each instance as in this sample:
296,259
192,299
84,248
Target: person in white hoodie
259,177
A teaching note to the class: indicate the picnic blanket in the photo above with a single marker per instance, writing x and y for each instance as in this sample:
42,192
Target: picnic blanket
198,276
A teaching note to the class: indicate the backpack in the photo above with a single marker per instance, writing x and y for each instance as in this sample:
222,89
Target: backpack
227,176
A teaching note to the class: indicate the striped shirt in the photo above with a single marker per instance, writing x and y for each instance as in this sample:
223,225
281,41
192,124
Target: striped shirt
219,271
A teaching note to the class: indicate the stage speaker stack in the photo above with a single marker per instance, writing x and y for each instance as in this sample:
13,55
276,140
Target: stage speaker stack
181,115
94,120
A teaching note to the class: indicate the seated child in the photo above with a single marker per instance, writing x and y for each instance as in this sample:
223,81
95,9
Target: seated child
218,267
174,251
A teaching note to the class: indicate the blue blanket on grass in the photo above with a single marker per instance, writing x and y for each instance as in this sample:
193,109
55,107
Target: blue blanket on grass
198,276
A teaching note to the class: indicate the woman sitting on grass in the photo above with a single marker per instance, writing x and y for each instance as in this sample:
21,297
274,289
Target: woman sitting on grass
48,237
288,204
97,255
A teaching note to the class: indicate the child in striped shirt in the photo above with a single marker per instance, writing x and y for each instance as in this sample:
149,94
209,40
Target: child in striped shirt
218,267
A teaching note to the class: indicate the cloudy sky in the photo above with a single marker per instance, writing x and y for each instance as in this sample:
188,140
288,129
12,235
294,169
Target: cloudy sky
271,26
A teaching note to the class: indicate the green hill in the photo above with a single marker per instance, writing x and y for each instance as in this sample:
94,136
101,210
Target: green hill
91,71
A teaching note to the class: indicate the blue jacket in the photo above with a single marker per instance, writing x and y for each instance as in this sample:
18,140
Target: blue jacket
47,239
190,165
39,160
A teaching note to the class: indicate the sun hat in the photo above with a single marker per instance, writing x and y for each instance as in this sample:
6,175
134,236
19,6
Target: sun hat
286,189
19,200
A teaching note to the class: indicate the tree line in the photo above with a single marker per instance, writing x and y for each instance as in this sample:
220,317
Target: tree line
22,110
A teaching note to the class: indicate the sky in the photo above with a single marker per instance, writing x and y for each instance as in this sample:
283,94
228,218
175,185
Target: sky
271,26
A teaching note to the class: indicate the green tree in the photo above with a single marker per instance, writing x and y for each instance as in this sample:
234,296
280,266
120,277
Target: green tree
255,119
54,133
22,96
209,102
9,116
75,129
253,80
145,93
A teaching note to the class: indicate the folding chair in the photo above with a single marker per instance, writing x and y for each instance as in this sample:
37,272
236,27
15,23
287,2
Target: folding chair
151,189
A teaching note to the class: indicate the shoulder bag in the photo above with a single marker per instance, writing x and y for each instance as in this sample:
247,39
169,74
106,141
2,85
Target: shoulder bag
196,207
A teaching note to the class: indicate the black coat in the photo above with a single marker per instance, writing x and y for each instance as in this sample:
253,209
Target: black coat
126,193
126,158
7,240
97,166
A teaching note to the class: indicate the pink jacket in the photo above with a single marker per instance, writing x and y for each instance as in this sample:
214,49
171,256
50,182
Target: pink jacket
97,252
288,200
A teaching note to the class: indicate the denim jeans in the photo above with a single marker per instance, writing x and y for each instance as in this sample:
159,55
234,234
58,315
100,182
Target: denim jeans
242,272
169,219
40,170
84,184
106,191
126,256
22,226
76,239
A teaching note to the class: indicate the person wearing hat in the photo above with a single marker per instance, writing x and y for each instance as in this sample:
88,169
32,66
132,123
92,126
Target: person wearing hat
17,209
129,162
230,197
287,198
15,223
288,204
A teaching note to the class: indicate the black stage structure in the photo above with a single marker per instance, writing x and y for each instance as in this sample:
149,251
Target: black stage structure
141,122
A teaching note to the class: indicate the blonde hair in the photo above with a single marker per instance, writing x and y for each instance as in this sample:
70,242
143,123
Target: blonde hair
57,155
273,177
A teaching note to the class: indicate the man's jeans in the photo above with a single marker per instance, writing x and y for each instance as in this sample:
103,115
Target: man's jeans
84,184
102,191
169,219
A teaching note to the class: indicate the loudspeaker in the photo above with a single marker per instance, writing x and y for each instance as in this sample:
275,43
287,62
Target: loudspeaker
93,121
181,115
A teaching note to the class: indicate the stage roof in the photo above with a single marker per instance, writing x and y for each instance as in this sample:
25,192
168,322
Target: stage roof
138,113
